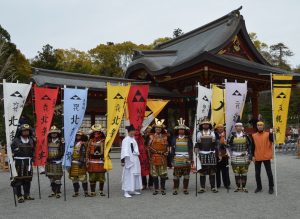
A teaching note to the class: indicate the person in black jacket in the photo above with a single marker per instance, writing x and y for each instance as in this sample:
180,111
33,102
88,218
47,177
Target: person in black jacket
23,154
222,158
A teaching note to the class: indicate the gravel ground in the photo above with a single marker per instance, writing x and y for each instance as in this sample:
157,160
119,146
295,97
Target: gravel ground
207,205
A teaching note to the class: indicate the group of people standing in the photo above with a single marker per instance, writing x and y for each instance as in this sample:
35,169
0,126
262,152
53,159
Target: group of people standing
215,153
213,150
87,162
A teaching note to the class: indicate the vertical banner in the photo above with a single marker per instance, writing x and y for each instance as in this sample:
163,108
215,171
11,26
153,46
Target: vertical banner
203,106
136,102
204,100
75,101
281,98
44,100
116,102
235,98
202,111
155,106
14,95
218,105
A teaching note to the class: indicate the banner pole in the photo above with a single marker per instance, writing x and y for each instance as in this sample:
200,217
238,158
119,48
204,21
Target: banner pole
65,194
39,185
63,134
274,137
13,187
107,174
107,184
196,131
34,122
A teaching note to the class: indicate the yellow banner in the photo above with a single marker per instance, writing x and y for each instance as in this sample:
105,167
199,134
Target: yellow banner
116,102
281,98
218,105
156,106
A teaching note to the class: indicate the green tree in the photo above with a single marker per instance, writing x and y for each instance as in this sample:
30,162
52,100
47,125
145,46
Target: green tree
280,53
262,47
177,32
46,58
73,60
159,41
13,64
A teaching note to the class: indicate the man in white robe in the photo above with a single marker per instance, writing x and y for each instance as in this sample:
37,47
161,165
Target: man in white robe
131,177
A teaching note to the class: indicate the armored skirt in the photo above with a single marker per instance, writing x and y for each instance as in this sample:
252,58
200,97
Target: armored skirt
208,162
24,169
182,166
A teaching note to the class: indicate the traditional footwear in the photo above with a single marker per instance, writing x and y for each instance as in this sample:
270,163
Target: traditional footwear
135,193
28,198
57,195
20,199
163,192
76,194
214,190
202,190
175,192
51,195
101,193
245,190
126,195
92,194
186,192
237,189
257,190
271,191
155,192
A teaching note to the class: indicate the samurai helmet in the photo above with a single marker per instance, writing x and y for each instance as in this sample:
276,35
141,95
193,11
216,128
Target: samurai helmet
181,125
24,127
205,120
97,128
54,129
260,123
80,132
159,123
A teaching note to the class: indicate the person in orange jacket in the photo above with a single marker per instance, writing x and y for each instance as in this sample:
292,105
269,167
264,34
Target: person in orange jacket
263,153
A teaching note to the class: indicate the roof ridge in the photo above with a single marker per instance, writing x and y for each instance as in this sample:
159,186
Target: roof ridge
228,17
37,71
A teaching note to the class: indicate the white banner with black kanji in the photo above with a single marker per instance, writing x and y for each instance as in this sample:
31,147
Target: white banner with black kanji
235,100
15,95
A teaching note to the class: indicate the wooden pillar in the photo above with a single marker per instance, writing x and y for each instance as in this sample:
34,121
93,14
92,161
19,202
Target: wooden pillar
254,101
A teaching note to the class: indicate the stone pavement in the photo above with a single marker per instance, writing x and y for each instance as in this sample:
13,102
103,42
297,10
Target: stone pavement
207,205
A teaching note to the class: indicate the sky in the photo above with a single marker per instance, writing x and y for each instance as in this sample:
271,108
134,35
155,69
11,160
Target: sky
83,24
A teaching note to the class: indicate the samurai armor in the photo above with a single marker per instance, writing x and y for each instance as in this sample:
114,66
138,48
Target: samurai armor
24,169
23,154
54,169
208,159
95,153
78,166
157,149
55,154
